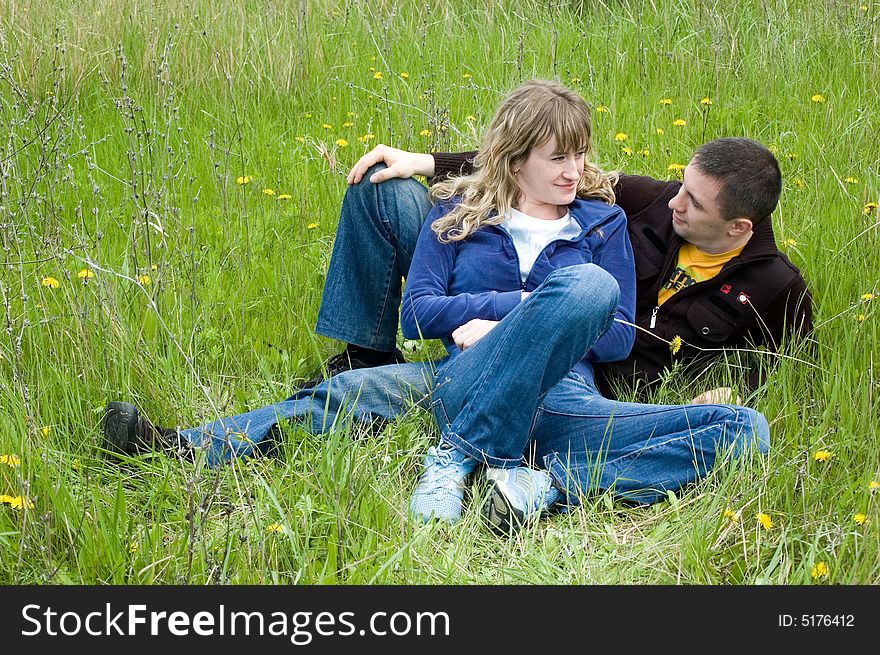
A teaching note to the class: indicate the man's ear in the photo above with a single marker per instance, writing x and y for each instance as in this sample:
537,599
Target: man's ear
737,227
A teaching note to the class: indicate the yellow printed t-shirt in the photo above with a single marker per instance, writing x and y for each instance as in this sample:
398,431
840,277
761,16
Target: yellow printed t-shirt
694,266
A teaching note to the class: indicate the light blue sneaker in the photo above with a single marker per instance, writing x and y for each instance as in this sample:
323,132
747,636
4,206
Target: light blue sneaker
517,496
440,491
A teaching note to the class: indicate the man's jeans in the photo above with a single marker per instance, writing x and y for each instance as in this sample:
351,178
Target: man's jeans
587,442
379,225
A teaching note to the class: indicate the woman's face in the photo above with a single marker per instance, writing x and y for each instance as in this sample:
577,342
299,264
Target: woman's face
548,180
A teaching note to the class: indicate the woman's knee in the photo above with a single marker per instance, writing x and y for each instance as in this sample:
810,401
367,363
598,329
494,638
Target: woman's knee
587,283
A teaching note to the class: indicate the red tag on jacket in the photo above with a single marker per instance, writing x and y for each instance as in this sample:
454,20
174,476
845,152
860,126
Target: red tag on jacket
725,288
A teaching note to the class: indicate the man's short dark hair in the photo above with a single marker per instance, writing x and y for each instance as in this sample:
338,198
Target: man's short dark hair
748,173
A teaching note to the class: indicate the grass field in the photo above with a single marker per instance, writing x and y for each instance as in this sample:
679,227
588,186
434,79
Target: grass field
137,265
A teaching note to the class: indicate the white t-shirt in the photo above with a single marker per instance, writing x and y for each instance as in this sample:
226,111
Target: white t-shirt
531,235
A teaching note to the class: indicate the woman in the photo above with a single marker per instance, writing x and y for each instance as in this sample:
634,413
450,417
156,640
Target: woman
525,270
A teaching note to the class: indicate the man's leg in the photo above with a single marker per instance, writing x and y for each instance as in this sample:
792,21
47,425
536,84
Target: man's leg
379,225
354,397
638,451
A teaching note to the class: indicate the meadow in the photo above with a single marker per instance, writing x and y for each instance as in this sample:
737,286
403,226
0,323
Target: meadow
170,180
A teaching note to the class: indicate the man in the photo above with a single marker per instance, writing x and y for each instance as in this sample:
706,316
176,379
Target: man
709,274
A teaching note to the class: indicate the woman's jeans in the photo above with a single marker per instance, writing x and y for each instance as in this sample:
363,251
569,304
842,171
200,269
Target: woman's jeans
510,396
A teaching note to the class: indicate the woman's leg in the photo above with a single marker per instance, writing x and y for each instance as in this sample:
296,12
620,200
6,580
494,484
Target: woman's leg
484,399
378,228
638,451
360,396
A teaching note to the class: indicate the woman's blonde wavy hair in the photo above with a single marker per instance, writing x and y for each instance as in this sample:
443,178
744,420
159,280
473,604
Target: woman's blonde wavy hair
527,118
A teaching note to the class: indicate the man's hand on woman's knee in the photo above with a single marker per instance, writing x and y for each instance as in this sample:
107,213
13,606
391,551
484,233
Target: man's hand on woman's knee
400,163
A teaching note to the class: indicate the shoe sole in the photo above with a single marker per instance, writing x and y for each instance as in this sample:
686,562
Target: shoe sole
498,513
120,421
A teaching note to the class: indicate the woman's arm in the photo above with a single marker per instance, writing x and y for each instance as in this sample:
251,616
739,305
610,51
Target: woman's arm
428,311
615,255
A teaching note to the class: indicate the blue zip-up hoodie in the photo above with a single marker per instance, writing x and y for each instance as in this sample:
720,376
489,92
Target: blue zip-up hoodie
451,283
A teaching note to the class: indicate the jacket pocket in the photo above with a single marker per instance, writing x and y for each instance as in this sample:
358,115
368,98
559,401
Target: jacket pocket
709,323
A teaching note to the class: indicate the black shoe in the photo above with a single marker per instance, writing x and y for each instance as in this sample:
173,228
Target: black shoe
127,432
347,361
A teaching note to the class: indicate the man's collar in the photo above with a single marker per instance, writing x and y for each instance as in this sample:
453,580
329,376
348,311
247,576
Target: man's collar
762,243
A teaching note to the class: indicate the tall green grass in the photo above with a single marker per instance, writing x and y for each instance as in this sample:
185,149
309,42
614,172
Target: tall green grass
124,130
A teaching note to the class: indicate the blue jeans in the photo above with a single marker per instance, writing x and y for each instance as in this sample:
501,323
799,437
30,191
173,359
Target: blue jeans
378,228
359,397
514,394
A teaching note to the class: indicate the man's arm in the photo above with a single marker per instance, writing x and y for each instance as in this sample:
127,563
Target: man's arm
400,163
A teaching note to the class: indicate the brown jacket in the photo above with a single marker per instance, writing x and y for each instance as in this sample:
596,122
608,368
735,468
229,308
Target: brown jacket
759,299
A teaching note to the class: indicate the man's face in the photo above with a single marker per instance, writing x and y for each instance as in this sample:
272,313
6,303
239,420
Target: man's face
696,214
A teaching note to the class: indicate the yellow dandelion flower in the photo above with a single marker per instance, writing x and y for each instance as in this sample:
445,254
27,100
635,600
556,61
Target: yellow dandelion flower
86,274
144,279
666,101
626,150
347,124
243,179
352,114
863,7
154,267
873,485
602,109
851,180
17,502
860,318
377,75
675,345
342,143
791,156
404,75
134,547
765,520
860,519
679,122
621,136
870,207
675,167
660,131
731,516
818,97
819,570
327,126
575,80
269,192
50,282
301,139
470,118
45,430
366,138
645,152
823,455
10,460
799,183
467,76
75,464
706,102
425,133
284,196
868,296
789,243
307,115
275,527
311,226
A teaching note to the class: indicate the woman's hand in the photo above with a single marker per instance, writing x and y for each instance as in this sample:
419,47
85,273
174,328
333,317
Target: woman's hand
401,163
471,332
